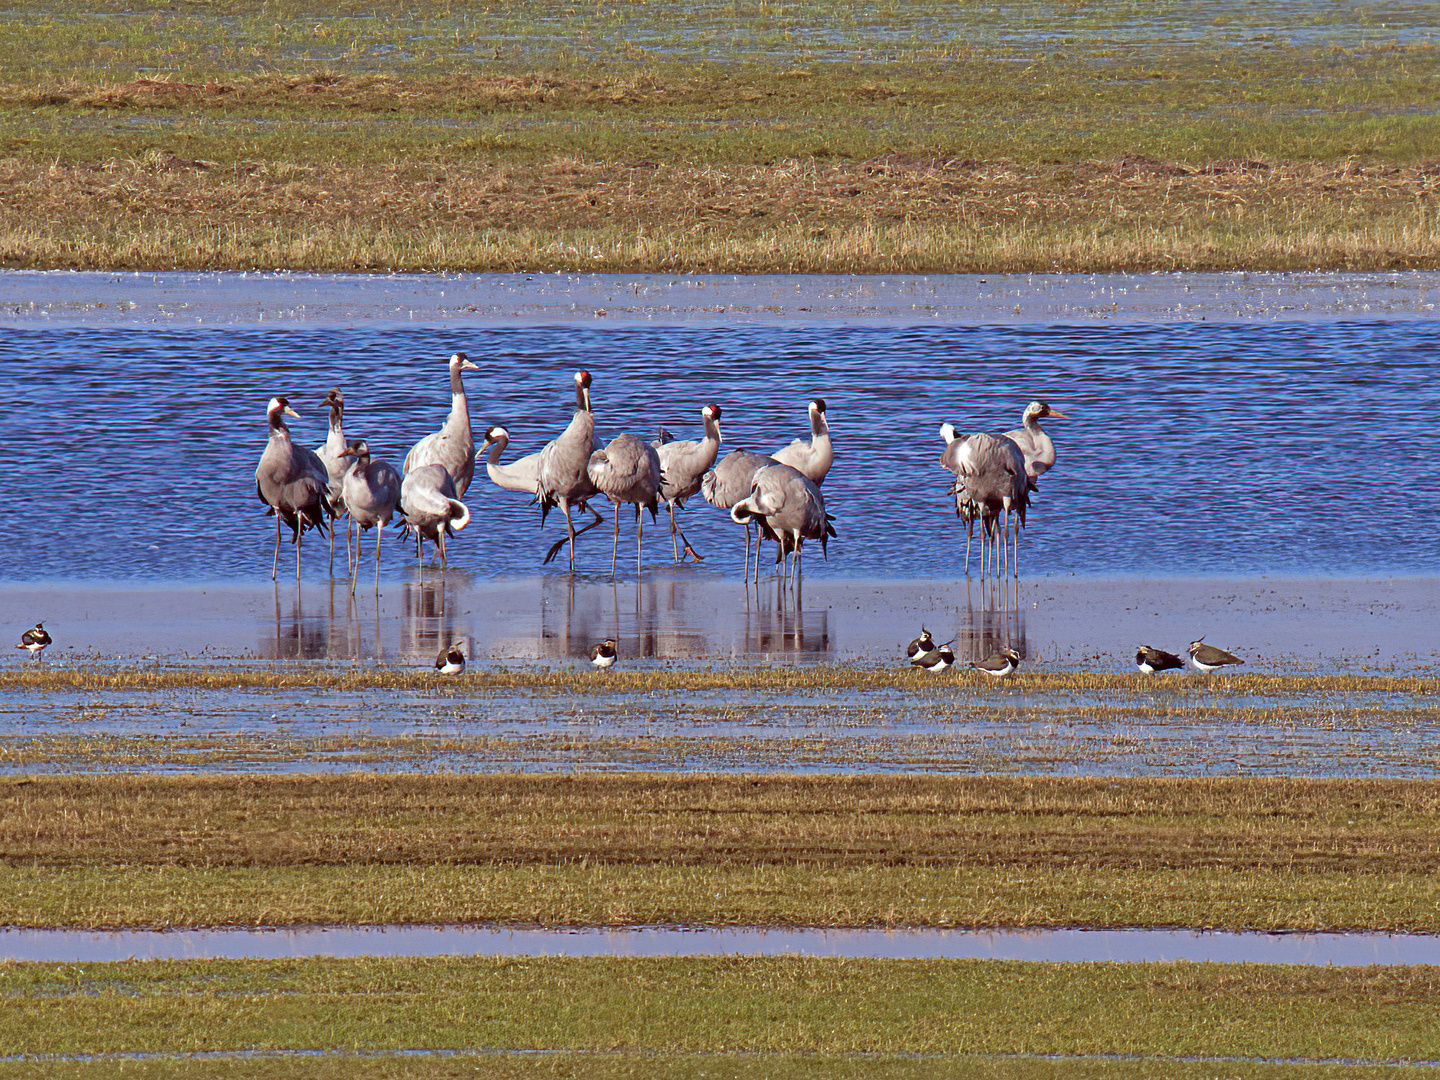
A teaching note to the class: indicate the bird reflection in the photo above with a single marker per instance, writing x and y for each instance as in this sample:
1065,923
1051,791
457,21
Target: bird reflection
993,620
431,617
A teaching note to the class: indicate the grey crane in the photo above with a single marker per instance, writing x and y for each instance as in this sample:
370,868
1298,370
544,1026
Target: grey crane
790,505
291,481
431,508
627,470
812,458
964,508
683,463
453,445
990,480
1038,448
523,474
564,477
371,490
729,482
329,452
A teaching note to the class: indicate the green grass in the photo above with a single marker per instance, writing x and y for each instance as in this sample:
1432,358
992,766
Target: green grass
789,1014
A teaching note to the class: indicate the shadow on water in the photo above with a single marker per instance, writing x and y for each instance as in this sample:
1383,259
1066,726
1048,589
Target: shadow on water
1048,946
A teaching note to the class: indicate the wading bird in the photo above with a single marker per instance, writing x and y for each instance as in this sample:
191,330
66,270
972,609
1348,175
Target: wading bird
812,458
1150,660
922,644
1037,446
998,664
936,659
523,474
371,490
330,454
683,463
627,470
789,505
451,660
1207,658
729,482
291,481
453,445
430,507
564,476
990,479
603,654
34,641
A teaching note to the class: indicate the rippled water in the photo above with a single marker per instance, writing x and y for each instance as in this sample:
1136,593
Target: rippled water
1205,448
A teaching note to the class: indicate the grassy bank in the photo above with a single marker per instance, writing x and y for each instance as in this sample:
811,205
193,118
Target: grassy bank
742,1017
672,138
642,849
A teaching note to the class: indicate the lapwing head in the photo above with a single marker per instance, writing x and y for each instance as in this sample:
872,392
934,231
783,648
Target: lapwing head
1195,645
460,362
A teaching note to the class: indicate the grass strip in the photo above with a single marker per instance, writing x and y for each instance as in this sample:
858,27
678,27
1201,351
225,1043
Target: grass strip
620,683
639,849
788,1008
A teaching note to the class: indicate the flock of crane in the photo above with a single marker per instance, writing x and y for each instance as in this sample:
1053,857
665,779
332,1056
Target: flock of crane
780,493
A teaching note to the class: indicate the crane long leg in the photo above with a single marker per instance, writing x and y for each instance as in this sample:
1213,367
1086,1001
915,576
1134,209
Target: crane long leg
674,547
299,544
355,564
615,542
555,547
747,550
275,566
639,535
379,531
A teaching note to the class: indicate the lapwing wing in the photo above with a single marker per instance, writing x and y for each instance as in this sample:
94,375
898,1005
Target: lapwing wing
1207,658
1150,660
34,641
603,654
450,661
998,664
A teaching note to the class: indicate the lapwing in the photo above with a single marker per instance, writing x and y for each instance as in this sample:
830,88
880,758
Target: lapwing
450,661
1207,658
1150,660
922,644
998,664
937,659
603,654
34,641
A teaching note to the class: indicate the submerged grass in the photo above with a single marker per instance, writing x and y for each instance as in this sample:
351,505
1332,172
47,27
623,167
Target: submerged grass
710,1015
814,677
643,849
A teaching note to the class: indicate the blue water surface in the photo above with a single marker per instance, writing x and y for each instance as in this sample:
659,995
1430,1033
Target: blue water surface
1191,449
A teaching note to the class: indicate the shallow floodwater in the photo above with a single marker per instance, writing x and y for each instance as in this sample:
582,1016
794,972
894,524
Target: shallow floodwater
1049,946
1212,443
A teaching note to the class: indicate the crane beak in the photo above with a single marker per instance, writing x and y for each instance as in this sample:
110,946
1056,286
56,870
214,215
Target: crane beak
1055,414
291,412
469,365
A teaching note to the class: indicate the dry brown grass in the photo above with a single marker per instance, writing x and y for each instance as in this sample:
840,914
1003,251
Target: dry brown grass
889,214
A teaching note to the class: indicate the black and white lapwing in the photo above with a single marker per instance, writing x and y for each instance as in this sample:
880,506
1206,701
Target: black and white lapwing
922,644
998,664
1150,660
34,641
603,654
937,659
1207,658
451,661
